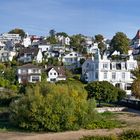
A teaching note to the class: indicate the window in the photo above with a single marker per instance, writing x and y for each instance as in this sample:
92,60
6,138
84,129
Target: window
123,75
54,73
113,75
50,73
96,66
35,78
118,66
52,79
128,86
105,66
105,75
96,75
71,54
123,66
113,66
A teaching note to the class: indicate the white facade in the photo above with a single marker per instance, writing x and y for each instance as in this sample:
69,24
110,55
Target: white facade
54,76
72,59
27,41
44,47
92,48
116,72
28,73
14,37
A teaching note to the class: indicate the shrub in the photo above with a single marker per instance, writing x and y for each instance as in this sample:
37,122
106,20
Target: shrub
130,135
61,108
100,138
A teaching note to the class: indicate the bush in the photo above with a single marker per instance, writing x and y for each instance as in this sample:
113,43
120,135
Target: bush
100,138
130,135
61,108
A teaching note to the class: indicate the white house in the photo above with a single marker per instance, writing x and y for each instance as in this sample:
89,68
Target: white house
6,55
91,49
56,73
27,41
63,40
29,73
136,44
27,55
116,72
44,47
14,37
72,59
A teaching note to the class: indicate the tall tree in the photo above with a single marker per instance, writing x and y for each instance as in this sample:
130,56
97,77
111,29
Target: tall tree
99,38
17,31
120,43
52,33
62,34
77,41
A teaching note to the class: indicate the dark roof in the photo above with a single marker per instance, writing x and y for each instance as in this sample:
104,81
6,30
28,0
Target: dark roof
60,70
28,66
33,51
137,35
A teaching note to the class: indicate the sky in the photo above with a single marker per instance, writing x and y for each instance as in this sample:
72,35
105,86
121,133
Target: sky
88,17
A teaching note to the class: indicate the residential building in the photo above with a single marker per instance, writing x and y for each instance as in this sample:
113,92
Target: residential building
117,72
27,55
55,73
29,73
136,44
14,37
72,59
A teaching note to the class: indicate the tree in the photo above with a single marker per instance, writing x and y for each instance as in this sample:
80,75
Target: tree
52,33
120,43
103,91
102,48
62,34
52,40
17,31
77,41
136,83
99,38
62,108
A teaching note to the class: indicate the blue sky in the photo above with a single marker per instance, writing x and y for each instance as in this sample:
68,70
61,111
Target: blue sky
88,17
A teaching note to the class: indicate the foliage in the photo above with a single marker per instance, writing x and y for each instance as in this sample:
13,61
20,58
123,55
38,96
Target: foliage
62,34
103,121
52,40
113,137
102,48
103,91
17,31
53,61
120,43
55,107
77,41
99,38
130,135
52,33
136,82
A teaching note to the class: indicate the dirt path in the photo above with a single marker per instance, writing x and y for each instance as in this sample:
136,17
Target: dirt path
132,120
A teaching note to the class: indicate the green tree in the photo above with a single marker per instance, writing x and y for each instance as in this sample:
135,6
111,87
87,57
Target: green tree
102,48
99,38
120,43
77,41
62,34
61,108
17,31
52,40
52,33
103,91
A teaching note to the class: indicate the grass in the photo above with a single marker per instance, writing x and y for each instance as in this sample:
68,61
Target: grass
105,120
